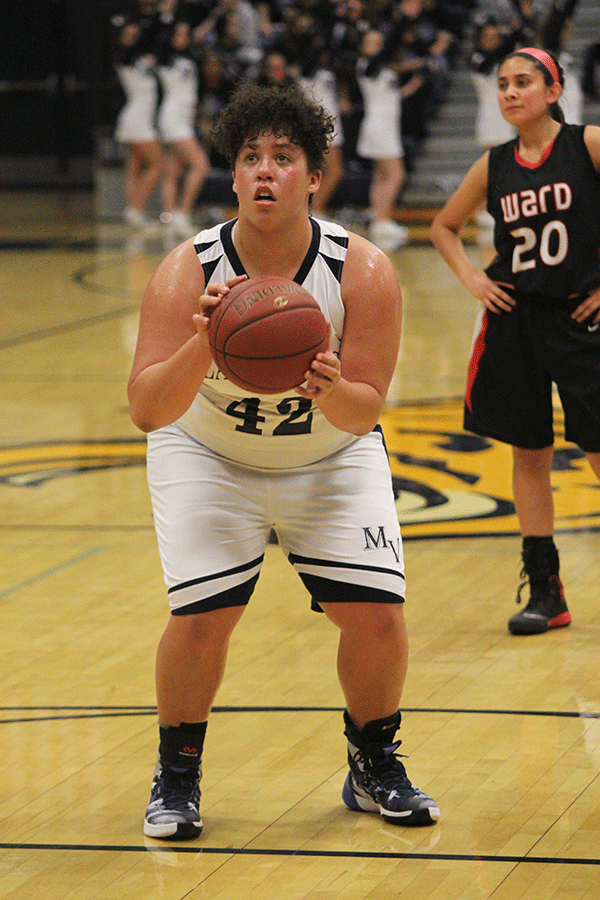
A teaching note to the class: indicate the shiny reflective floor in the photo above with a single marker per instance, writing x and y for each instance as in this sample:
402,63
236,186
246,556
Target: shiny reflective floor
504,732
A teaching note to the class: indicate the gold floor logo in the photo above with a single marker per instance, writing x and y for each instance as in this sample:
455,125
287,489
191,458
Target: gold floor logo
447,482
33,464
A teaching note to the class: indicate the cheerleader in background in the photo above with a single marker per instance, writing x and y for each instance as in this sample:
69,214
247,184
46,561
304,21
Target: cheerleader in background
318,79
379,136
135,35
186,163
492,42
556,35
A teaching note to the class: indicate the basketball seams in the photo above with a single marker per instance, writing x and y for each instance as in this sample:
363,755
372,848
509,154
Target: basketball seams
214,344
225,306
277,351
296,353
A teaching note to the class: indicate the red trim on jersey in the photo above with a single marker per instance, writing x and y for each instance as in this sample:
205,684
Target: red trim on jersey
542,159
478,348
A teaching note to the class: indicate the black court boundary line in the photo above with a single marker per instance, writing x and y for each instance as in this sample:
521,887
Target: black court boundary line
244,851
107,712
175,847
77,528
66,327
74,245
473,535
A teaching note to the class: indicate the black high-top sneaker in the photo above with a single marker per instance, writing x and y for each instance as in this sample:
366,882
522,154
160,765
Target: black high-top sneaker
547,607
174,809
377,780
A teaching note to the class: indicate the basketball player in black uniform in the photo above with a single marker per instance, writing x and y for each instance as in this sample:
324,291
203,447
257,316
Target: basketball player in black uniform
540,318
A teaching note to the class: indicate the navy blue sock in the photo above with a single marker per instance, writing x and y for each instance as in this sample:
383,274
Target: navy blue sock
181,746
378,731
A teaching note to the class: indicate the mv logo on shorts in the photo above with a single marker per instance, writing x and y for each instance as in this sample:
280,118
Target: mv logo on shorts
376,539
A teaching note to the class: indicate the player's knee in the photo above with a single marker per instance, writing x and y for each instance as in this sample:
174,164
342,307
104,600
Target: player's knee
213,626
384,622
379,622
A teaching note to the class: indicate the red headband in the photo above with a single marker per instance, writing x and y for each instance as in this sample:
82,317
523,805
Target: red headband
543,57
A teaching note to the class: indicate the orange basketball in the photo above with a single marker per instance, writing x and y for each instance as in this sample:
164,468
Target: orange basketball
265,333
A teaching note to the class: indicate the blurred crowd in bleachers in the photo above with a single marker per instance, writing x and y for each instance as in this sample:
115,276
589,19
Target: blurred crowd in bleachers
232,40
501,26
323,44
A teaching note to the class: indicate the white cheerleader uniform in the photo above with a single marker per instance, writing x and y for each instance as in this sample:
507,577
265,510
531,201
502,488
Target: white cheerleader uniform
490,127
322,86
379,135
179,83
136,120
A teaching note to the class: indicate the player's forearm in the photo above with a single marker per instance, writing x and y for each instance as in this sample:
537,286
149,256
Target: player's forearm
352,406
160,393
451,248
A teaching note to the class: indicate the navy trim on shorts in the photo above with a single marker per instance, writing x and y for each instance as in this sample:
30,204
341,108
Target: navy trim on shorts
379,430
235,596
243,568
239,595
325,590
328,590
330,564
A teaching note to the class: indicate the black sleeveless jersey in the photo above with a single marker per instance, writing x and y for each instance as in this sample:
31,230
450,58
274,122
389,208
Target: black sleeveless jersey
547,215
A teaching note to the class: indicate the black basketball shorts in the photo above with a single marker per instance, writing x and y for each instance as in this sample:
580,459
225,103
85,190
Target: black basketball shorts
515,359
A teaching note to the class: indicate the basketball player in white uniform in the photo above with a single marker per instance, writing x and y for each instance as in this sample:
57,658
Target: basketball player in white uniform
226,466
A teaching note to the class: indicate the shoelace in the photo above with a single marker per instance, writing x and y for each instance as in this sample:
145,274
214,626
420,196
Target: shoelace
389,770
179,788
552,580
522,574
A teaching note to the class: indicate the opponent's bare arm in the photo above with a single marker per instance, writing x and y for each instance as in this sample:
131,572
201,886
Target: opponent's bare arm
591,136
444,234
590,307
351,390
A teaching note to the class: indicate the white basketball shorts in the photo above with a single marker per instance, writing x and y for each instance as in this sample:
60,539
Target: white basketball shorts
335,519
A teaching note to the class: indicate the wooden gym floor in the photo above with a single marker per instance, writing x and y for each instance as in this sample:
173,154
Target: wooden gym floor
504,732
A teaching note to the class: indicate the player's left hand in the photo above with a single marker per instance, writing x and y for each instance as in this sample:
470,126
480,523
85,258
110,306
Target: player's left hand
322,377
589,309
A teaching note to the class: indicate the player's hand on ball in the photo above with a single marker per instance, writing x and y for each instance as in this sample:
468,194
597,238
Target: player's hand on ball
322,377
214,293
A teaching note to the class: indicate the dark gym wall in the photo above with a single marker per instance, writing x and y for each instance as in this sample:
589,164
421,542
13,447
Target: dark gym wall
56,76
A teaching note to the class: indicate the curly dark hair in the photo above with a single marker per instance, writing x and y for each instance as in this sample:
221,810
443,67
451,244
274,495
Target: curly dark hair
254,109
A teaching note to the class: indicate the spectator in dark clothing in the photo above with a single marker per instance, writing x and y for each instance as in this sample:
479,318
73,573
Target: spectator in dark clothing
424,52
591,59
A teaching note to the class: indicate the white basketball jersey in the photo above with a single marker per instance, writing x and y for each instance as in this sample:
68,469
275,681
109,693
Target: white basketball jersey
271,431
